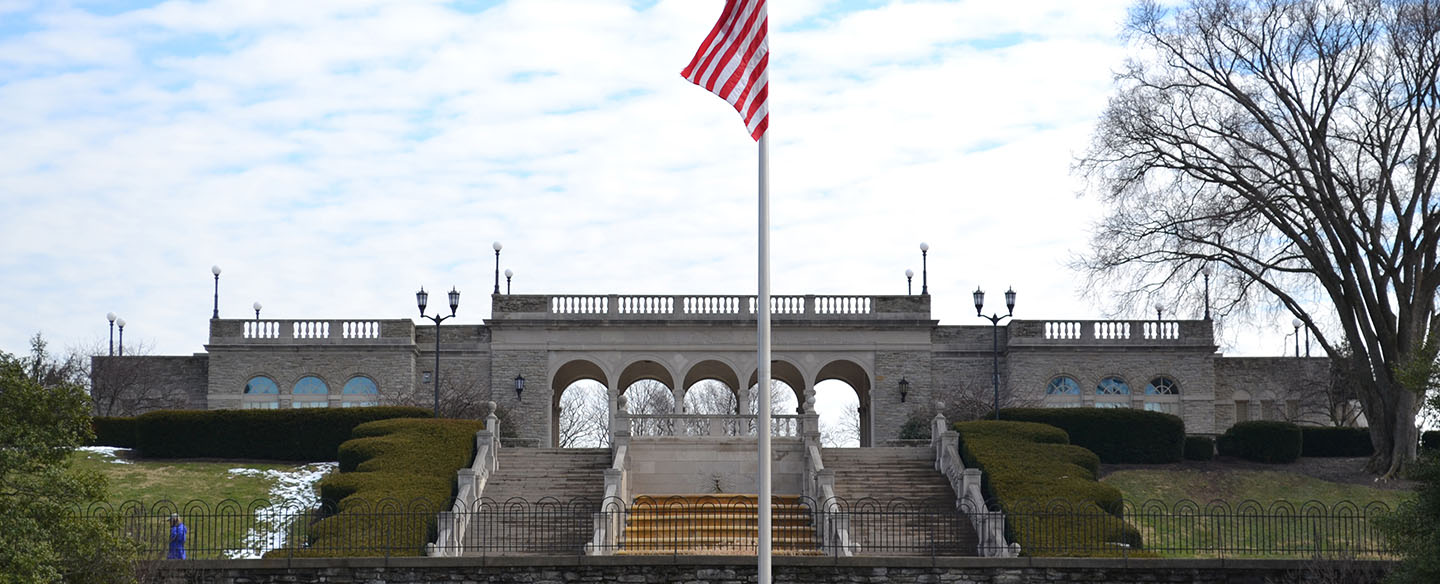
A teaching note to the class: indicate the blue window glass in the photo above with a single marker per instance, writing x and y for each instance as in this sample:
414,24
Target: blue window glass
360,385
1112,386
259,385
311,385
1162,386
1063,386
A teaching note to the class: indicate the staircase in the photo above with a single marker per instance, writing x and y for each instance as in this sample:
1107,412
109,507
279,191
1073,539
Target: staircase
899,504
539,501
722,524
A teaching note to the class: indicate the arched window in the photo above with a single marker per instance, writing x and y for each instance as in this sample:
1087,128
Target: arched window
1112,386
1162,386
310,392
261,385
360,392
1063,385
261,393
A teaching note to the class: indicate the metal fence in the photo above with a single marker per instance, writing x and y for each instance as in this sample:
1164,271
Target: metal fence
726,525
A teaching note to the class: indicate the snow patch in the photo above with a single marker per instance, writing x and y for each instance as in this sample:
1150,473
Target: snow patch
113,453
292,496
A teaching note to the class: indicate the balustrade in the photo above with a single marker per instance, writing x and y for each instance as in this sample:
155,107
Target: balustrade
579,305
708,425
1066,330
360,329
310,330
261,329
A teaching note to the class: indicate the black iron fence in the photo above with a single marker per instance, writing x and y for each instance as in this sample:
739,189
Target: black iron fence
728,525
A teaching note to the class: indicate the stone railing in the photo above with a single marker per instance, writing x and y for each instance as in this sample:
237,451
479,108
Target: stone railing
1106,332
818,485
707,425
989,525
311,331
609,525
450,526
706,307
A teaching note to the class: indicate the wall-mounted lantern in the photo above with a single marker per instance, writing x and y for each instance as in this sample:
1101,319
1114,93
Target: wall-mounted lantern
519,386
904,389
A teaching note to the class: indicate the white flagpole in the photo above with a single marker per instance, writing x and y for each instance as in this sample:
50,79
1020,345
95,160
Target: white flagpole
762,319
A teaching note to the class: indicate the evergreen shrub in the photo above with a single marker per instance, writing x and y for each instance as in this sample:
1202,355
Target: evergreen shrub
1117,435
397,464
113,431
309,434
1269,442
1199,448
1031,470
1430,440
1320,441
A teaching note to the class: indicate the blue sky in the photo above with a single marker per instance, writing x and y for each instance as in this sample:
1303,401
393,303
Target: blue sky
334,156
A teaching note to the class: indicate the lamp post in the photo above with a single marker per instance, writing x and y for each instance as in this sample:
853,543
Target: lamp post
924,269
995,336
508,274
1205,271
216,270
909,275
421,298
1296,322
1159,312
256,306
120,322
111,318
497,247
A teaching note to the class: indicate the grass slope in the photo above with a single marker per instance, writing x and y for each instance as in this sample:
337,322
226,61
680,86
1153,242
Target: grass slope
1232,485
150,481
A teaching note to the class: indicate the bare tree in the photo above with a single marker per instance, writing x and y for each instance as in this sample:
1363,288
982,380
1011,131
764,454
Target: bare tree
974,399
649,397
1292,146
584,417
127,386
844,432
463,394
710,397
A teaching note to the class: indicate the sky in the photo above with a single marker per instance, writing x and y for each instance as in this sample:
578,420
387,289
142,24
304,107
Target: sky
333,156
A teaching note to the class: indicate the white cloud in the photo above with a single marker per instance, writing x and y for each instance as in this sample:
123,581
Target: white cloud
333,156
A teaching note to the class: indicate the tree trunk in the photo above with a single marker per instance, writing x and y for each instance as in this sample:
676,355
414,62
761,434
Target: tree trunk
1392,431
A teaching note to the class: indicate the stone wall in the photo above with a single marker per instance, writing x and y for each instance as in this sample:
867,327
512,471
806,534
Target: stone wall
130,386
1272,388
391,368
786,570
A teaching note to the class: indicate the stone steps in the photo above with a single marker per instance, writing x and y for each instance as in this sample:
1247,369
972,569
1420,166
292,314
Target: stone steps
541,501
902,505
716,524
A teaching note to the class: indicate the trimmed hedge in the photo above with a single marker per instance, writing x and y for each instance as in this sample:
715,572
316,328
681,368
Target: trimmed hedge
1199,448
113,431
1147,437
300,435
1318,441
1269,442
400,464
1028,466
1430,440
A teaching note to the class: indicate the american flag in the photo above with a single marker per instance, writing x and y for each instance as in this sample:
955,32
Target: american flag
731,62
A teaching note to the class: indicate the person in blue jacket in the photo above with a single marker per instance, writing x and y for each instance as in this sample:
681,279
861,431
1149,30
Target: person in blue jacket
177,539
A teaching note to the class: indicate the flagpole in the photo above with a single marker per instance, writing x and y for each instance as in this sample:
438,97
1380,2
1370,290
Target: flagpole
763,358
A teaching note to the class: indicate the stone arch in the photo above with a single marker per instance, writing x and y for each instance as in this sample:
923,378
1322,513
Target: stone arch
645,369
783,370
854,375
707,370
565,376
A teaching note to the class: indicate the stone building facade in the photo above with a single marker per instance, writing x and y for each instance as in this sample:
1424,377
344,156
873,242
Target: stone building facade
898,360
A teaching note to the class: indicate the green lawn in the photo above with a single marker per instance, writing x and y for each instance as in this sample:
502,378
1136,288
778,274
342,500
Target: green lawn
1264,530
194,489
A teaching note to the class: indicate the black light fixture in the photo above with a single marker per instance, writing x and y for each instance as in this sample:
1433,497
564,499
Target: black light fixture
904,389
1159,312
256,306
1205,271
216,270
497,247
111,317
924,269
1296,322
909,275
519,386
508,274
979,296
120,322
422,298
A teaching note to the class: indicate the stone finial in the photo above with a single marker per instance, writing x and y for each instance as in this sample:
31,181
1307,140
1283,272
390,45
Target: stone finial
621,403
488,408
939,406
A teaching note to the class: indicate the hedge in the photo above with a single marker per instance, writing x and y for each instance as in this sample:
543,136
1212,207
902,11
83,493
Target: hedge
1147,437
113,431
1199,448
1430,440
1029,466
1318,441
1270,442
309,434
407,464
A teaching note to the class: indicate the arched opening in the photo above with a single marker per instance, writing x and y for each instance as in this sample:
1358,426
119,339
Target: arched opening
575,383
838,406
710,396
582,417
359,392
783,375
648,397
310,392
845,402
261,393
